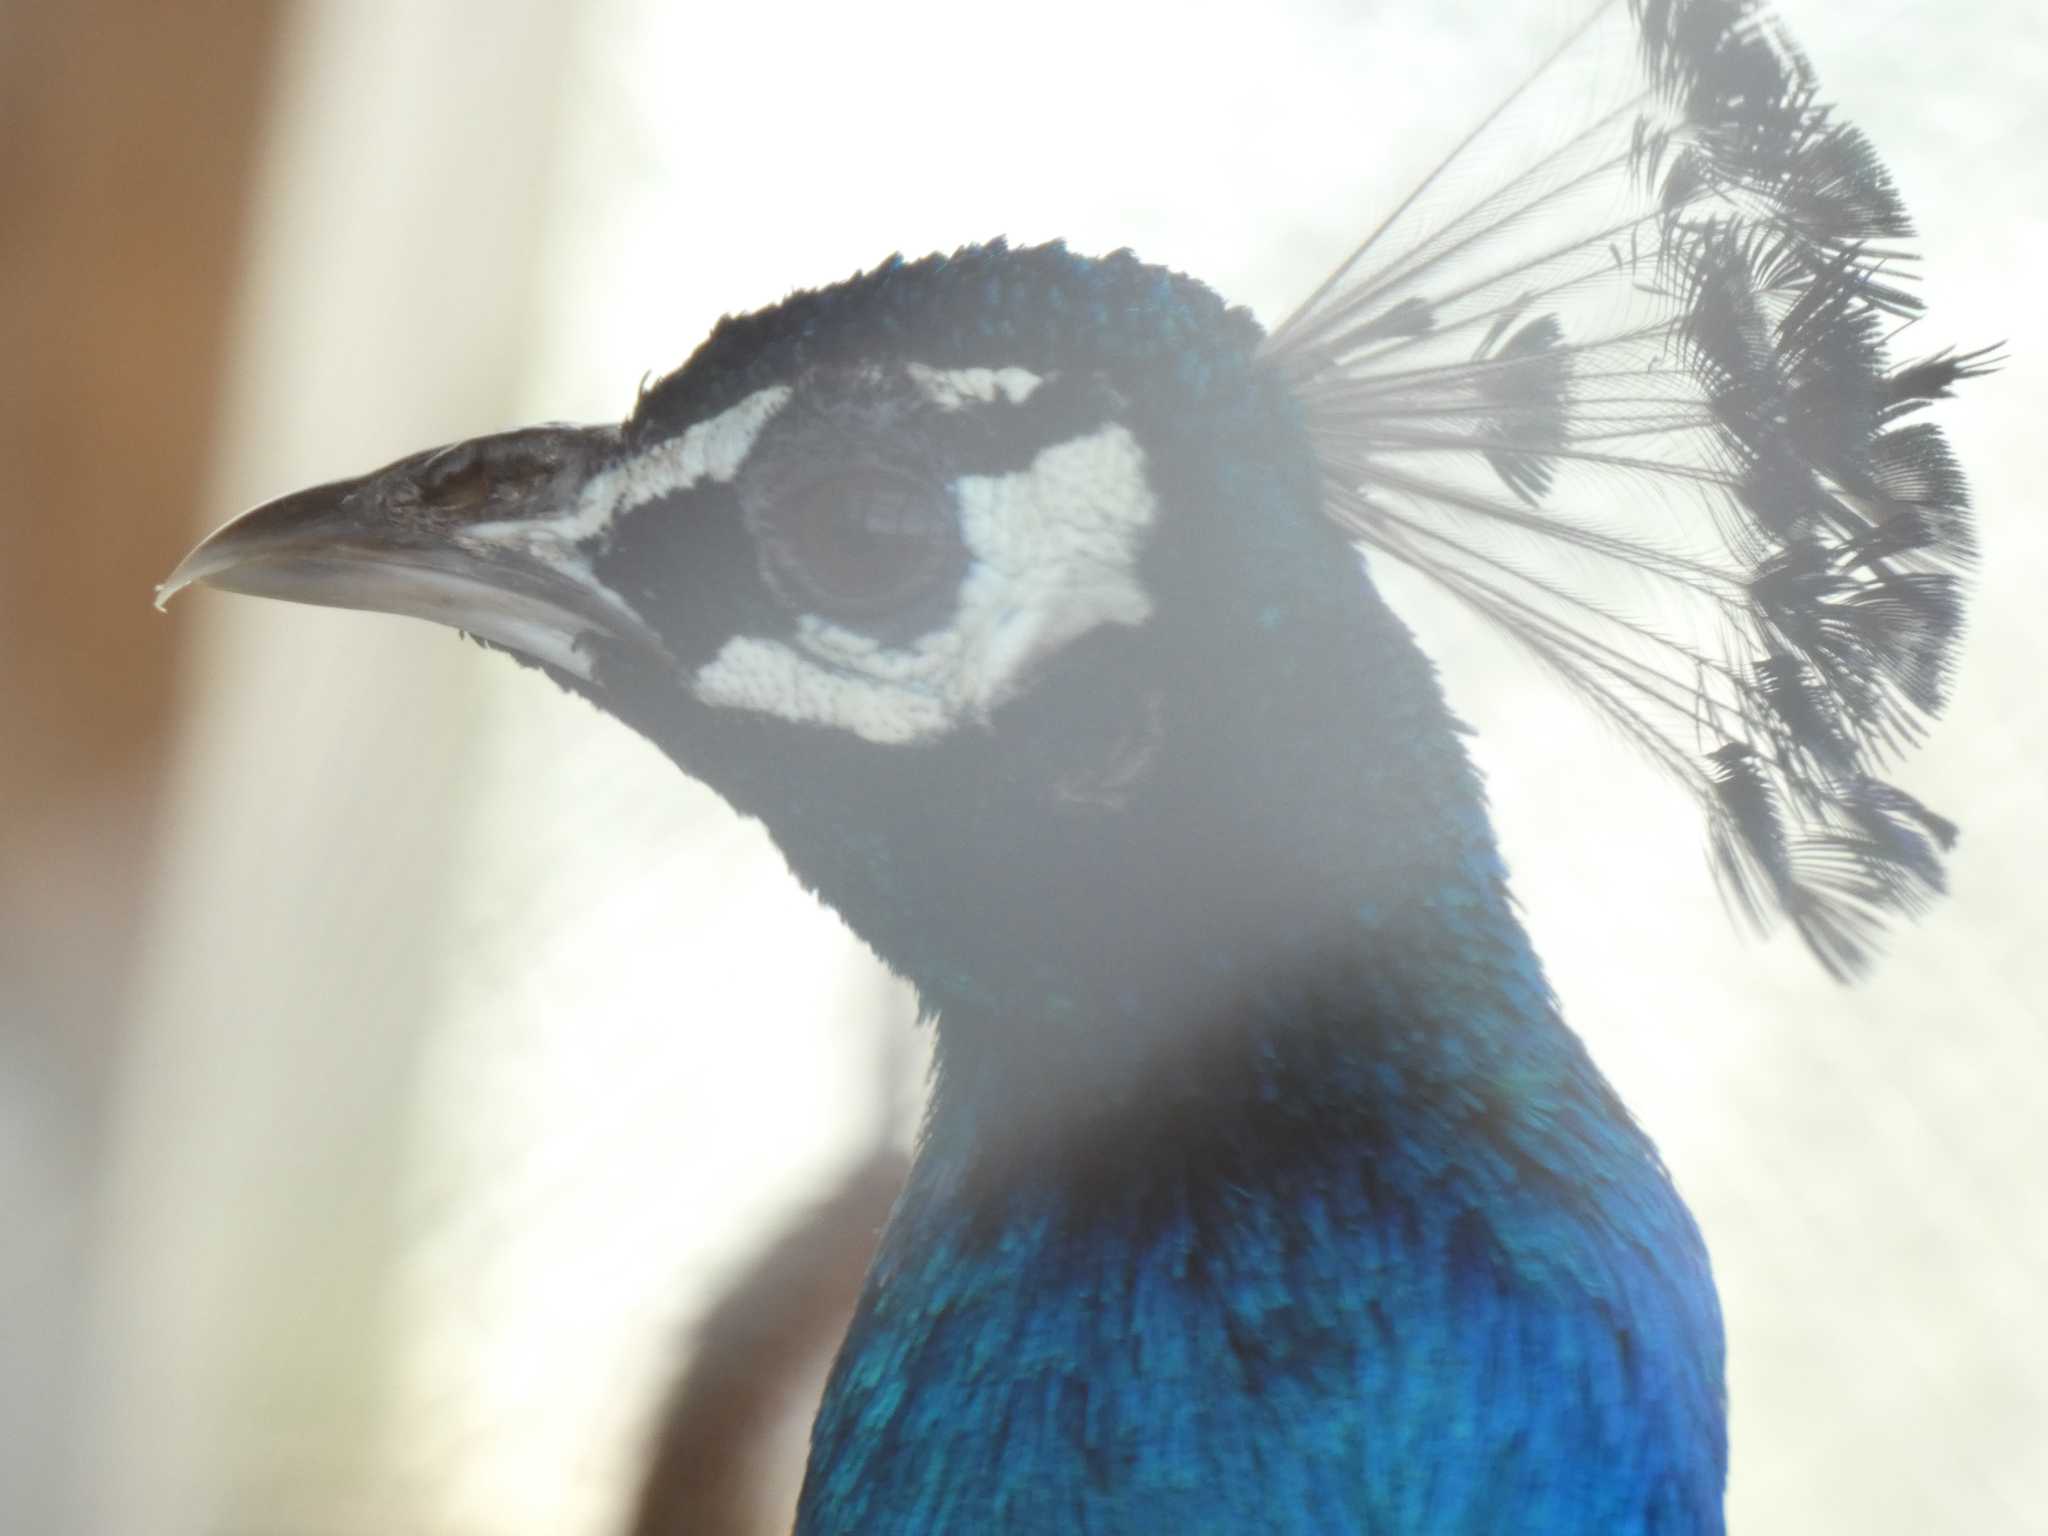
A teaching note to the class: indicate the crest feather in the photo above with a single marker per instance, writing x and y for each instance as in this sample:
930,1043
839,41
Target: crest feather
1623,388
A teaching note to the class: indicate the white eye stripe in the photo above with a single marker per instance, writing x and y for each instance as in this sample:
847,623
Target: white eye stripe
1053,549
952,389
716,448
713,449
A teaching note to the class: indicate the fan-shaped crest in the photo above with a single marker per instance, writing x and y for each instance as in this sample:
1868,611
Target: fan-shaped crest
1617,377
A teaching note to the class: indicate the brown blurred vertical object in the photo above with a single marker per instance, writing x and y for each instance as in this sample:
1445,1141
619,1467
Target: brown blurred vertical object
128,133
723,1460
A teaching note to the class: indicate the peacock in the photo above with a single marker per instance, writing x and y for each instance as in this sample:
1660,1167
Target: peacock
1027,597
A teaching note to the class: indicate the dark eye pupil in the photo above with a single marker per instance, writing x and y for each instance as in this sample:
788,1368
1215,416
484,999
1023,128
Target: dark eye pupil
858,543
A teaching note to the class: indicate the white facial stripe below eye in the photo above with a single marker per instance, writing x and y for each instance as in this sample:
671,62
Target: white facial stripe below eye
951,389
1053,553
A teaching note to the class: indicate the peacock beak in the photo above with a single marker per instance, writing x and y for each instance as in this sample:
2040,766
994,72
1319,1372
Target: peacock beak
482,535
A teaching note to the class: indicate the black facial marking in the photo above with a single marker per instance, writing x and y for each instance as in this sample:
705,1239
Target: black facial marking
847,505
858,542
848,498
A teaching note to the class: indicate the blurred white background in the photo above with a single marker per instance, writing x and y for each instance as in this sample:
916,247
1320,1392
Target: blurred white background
472,1049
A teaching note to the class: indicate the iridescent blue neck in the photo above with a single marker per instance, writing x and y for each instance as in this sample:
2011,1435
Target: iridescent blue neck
1361,1265
1320,1220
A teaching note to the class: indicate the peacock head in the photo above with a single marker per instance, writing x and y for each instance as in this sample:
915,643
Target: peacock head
995,585
1015,590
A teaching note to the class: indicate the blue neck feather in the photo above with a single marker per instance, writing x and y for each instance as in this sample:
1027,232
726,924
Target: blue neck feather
1327,1224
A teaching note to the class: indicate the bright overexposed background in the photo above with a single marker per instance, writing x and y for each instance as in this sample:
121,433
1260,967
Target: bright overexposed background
473,1047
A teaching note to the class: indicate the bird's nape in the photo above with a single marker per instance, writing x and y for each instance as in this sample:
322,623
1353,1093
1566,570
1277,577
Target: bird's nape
1262,1185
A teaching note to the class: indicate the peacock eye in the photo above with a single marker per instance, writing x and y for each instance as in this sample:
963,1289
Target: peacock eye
859,543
